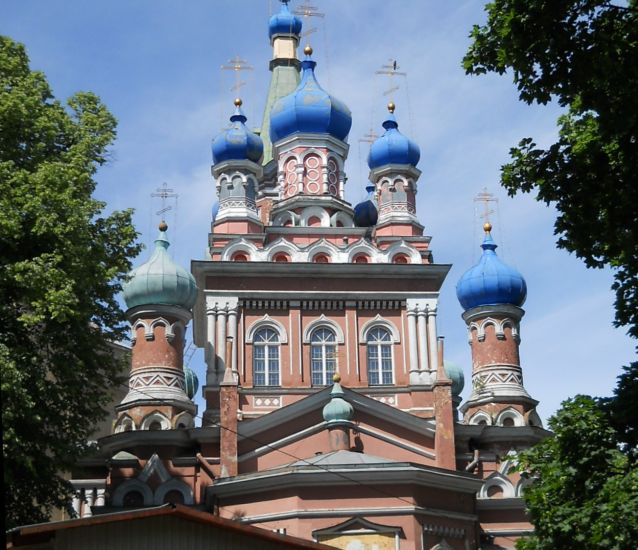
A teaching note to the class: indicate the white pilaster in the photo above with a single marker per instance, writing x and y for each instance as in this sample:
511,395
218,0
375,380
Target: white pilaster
423,346
221,340
210,353
432,344
232,332
414,359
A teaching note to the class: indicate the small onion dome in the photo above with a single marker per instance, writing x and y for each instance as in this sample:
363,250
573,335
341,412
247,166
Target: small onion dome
393,147
237,142
309,109
366,213
160,280
215,210
284,22
337,408
455,373
490,281
191,381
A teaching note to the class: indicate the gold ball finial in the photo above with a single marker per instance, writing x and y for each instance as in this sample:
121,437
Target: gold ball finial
238,102
308,50
336,377
487,227
391,107
163,226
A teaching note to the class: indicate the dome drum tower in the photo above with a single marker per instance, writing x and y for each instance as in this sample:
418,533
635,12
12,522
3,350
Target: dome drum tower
492,294
160,295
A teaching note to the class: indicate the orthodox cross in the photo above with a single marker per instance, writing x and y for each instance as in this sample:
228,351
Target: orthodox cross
391,69
237,64
307,10
486,198
164,192
370,137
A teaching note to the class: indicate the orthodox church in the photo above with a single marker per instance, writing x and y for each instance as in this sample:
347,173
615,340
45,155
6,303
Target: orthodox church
330,411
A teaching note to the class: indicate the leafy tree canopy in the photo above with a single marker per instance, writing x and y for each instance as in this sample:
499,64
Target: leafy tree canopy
585,490
584,55
63,262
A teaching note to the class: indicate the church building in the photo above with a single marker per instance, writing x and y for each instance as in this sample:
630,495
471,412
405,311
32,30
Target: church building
330,413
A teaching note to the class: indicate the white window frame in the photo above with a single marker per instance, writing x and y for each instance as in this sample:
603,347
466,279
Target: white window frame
323,345
379,345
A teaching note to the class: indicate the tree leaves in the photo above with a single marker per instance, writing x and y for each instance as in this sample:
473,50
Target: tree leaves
584,55
63,263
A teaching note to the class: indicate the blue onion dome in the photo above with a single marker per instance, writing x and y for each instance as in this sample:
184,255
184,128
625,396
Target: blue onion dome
160,280
490,281
309,109
337,408
215,210
455,373
191,381
237,142
284,22
393,147
366,213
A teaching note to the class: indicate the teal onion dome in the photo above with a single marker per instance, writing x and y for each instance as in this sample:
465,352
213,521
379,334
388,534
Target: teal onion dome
490,281
393,147
366,213
309,109
284,22
237,142
455,373
337,408
160,280
191,381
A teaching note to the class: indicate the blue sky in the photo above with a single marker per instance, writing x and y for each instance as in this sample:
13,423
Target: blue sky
156,65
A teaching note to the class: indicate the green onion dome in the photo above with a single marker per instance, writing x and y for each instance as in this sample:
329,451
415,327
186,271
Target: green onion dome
160,280
337,408
192,383
455,373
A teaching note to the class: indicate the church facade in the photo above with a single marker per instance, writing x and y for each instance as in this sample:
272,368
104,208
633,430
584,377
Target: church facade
330,411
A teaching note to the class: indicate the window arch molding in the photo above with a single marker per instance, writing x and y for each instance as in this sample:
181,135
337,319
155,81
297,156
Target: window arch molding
509,413
266,322
282,246
497,480
402,248
480,416
173,485
240,246
314,212
323,321
155,416
129,486
379,321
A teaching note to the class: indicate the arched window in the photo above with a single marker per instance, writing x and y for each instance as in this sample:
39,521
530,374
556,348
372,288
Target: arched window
281,257
379,356
266,357
174,497
323,353
240,257
321,259
361,259
400,259
133,498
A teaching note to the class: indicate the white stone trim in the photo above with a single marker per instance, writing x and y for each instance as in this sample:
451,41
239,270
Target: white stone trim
516,416
379,321
122,421
154,465
282,217
240,245
155,416
323,321
478,416
323,247
343,217
186,418
402,247
497,480
316,212
267,321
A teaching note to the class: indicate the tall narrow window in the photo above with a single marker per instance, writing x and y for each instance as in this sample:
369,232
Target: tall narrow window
323,351
379,357
266,358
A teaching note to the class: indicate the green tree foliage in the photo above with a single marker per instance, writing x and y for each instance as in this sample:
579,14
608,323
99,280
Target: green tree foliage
63,262
585,490
584,55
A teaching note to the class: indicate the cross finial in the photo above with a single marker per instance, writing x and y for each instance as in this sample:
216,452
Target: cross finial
164,192
486,198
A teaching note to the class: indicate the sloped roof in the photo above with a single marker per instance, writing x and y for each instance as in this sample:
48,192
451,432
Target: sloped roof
44,532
